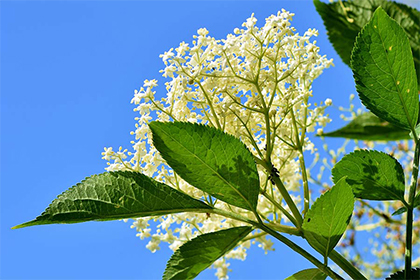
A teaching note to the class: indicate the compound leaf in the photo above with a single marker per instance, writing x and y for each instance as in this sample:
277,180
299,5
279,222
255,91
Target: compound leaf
210,160
201,252
372,175
113,196
384,71
327,219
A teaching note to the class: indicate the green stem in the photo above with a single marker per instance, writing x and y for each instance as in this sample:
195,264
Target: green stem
285,194
250,136
305,181
301,251
281,208
210,103
345,265
334,256
232,215
302,165
380,214
408,243
261,234
409,224
285,229
289,201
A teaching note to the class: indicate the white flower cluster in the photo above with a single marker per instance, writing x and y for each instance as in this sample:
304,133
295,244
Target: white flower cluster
255,85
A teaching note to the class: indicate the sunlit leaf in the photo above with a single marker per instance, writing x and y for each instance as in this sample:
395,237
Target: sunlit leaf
210,160
201,252
327,219
367,126
384,71
345,19
113,196
372,175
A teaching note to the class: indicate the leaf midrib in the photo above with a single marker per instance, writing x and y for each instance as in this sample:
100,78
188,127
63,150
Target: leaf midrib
330,229
410,121
44,217
214,171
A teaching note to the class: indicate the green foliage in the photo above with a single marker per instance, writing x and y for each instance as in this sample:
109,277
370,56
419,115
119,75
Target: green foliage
372,175
345,20
222,167
201,252
308,274
415,274
400,211
327,219
417,129
384,71
403,209
113,196
367,126
210,160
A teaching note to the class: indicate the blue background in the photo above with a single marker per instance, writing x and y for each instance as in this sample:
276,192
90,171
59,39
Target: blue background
68,71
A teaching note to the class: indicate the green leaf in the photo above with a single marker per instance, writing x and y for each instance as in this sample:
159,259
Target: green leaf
403,209
400,211
343,25
415,274
417,129
327,219
308,274
201,252
372,175
210,160
367,126
113,196
384,71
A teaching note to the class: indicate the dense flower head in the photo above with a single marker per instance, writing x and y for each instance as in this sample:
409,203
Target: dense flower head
255,84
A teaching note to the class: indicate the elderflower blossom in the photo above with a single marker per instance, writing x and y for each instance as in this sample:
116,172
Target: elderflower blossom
254,84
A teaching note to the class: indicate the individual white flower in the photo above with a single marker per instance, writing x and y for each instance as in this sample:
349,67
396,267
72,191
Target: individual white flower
140,224
202,32
151,83
108,153
144,233
167,55
153,244
328,102
222,269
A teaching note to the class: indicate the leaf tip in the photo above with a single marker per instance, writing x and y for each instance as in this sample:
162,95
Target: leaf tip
379,10
23,225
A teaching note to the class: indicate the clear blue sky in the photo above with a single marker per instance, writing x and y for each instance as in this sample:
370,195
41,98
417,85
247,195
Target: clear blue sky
68,71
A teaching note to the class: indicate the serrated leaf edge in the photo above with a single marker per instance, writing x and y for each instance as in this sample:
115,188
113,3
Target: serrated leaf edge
412,123
322,197
372,152
40,220
226,250
214,131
